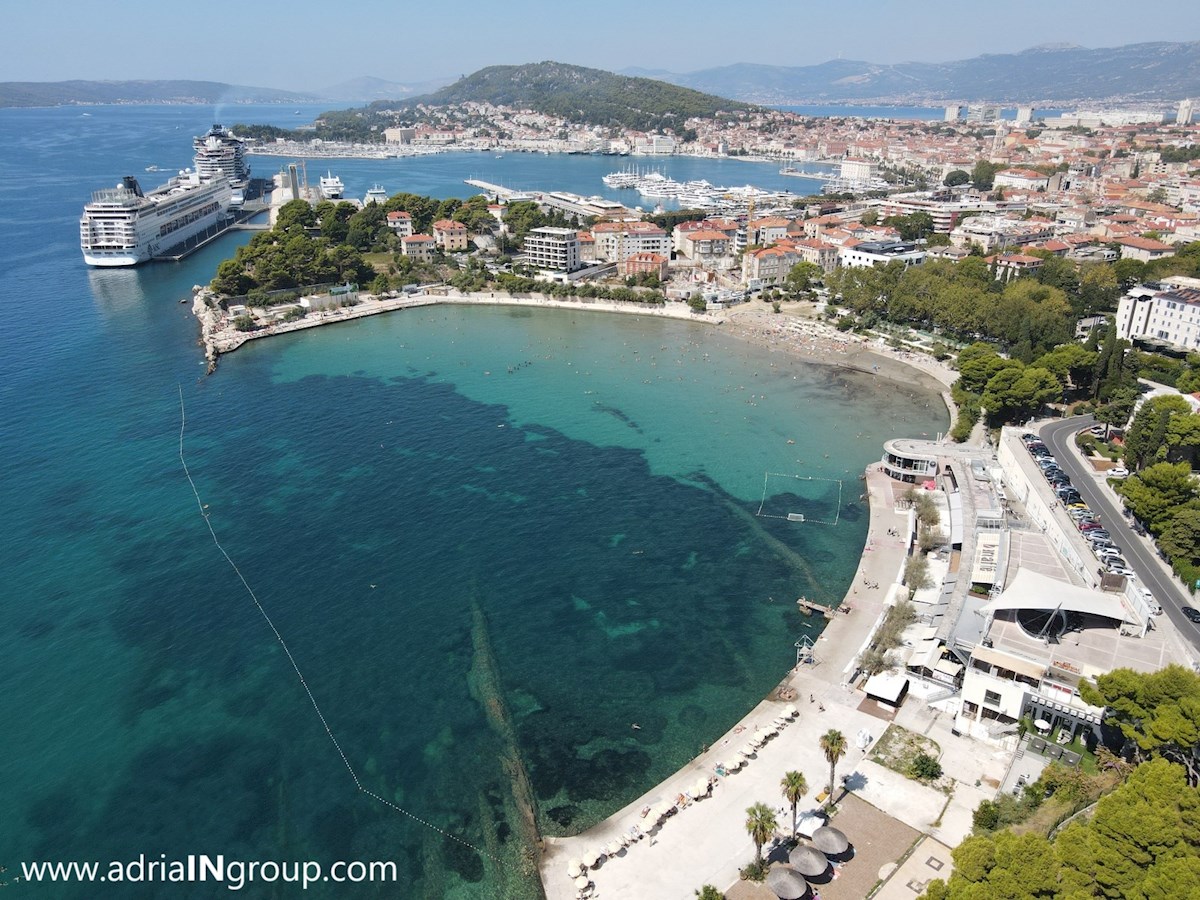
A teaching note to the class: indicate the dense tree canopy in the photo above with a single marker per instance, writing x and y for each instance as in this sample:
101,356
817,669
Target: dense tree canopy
1142,842
1146,440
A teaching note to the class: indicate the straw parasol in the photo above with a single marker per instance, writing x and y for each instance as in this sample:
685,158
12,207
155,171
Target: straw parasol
829,840
787,883
808,860
574,868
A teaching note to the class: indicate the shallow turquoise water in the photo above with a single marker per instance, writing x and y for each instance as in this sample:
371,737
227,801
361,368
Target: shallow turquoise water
586,482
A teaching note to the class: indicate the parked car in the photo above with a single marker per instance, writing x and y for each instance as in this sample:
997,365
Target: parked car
1098,534
1090,526
1118,472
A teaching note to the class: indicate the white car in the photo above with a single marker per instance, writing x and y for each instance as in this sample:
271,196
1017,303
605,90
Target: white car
1118,472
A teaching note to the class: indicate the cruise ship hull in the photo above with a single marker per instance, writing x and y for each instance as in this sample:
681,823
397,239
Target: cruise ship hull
113,258
123,228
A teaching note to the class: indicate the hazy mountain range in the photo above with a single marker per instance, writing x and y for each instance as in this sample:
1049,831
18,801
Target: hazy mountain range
59,93
1156,72
1064,73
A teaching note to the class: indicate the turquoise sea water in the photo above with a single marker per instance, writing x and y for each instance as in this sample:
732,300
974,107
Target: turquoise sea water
544,516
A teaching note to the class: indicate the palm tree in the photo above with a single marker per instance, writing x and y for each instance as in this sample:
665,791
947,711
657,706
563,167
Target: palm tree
760,825
794,787
833,745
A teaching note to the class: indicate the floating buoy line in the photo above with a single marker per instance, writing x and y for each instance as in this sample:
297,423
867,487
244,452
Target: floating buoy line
204,514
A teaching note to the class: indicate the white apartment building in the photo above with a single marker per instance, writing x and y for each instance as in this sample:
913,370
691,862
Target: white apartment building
553,249
1169,314
857,169
880,253
617,241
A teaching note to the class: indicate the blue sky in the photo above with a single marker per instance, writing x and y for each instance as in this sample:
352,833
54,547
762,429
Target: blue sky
309,44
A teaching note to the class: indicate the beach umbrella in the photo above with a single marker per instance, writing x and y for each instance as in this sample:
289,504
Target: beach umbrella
700,788
790,710
582,881
829,840
574,868
787,883
613,848
591,858
808,860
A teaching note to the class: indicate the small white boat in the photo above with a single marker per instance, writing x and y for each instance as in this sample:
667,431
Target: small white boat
332,187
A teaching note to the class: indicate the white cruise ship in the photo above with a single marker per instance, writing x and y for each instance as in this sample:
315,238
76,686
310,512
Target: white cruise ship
376,195
220,153
332,187
124,227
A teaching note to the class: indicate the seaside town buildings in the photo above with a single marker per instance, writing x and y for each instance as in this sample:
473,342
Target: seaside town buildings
1090,186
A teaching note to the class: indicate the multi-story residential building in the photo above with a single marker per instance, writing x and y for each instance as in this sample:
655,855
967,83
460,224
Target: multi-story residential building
1144,249
817,252
683,232
400,223
859,169
880,253
1167,314
993,233
450,235
553,249
768,266
419,247
1012,265
644,262
767,231
616,241
1022,179
946,212
707,246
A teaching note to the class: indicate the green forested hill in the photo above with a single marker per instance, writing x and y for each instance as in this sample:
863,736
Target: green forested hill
588,96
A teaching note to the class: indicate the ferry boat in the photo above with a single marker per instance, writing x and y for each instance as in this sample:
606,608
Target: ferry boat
332,187
376,195
219,152
123,226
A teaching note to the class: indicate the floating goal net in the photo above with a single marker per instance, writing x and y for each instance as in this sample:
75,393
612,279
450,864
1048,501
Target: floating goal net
801,498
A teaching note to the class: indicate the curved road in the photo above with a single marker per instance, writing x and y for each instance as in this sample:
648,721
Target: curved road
1059,438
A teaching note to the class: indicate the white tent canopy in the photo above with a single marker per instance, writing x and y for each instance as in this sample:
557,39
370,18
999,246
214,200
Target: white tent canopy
1030,590
886,686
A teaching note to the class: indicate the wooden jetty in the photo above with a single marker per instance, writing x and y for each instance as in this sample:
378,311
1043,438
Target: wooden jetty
809,607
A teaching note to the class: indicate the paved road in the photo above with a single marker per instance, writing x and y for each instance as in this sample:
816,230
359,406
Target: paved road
1059,437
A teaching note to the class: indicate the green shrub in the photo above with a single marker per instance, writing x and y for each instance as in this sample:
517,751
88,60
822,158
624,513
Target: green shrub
925,768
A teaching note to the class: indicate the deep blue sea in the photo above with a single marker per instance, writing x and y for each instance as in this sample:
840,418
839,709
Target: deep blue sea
491,539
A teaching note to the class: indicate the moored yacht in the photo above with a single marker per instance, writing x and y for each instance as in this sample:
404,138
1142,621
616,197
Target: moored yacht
332,187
